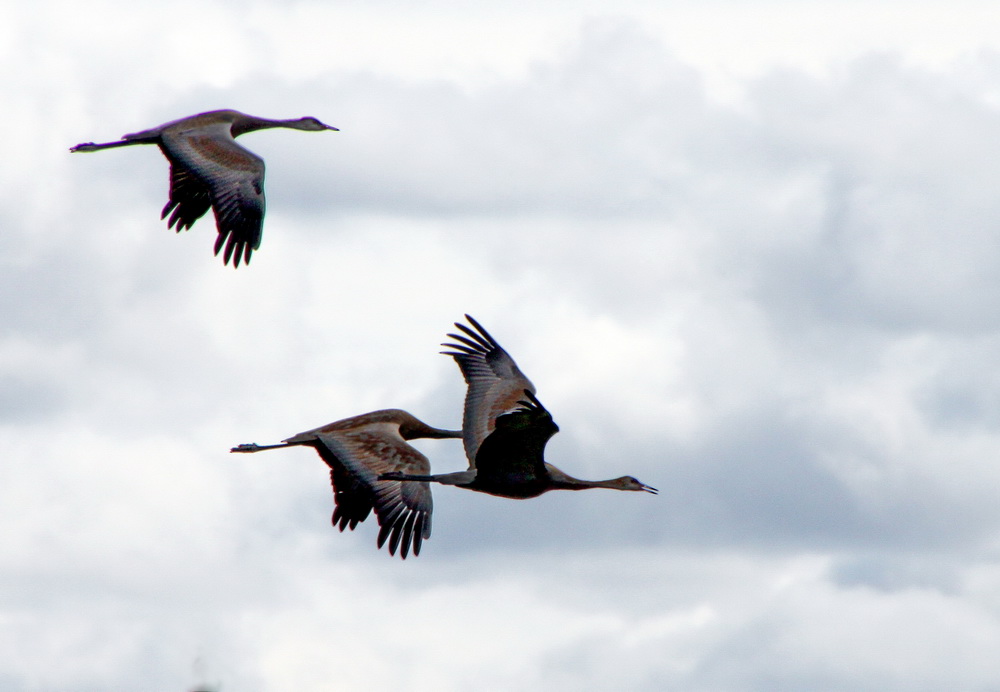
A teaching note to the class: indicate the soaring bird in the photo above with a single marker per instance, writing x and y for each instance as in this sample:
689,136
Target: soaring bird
358,450
505,428
209,169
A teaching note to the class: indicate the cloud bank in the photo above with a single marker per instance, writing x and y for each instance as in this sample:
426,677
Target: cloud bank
778,307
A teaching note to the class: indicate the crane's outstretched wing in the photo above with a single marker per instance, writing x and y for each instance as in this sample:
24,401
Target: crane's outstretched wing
356,457
496,384
231,176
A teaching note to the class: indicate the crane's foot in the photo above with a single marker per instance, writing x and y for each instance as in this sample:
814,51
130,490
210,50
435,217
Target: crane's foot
251,447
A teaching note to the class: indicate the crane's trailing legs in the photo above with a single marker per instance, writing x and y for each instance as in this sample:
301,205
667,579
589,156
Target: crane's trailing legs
254,447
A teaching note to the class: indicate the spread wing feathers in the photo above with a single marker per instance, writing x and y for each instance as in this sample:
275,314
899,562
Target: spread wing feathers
189,197
356,458
496,384
230,176
353,499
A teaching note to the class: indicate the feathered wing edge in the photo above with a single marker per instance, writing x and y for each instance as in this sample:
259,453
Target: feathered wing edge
403,509
210,169
189,199
495,383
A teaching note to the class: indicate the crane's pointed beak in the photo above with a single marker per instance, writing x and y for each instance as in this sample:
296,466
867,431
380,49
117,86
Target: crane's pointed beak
650,489
331,127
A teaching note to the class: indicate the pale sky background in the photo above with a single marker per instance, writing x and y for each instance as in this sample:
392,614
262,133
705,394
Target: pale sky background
747,251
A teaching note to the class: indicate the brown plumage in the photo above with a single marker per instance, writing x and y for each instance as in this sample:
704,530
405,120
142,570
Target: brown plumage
360,449
208,169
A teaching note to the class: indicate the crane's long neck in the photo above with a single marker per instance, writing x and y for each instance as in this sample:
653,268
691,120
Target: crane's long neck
564,481
253,123
438,434
412,428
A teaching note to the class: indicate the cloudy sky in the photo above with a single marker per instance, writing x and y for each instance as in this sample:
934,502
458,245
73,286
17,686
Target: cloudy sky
747,251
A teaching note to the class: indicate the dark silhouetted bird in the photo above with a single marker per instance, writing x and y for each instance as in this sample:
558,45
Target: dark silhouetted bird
505,428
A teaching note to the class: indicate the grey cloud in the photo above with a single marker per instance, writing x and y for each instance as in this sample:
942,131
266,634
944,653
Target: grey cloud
28,399
511,147
899,571
843,191
780,312
963,391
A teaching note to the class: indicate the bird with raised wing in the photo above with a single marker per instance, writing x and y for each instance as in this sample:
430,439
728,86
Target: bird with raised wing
358,451
505,428
208,169
495,383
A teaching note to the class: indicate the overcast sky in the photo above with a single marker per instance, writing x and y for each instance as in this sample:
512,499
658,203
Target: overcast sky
747,251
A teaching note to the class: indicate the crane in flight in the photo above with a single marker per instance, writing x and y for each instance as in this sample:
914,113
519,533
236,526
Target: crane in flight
505,428
208,169
358,450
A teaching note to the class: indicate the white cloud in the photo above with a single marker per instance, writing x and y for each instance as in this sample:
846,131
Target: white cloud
753,266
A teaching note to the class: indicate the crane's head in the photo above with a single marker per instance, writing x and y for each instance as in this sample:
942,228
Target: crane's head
312,124
632,483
